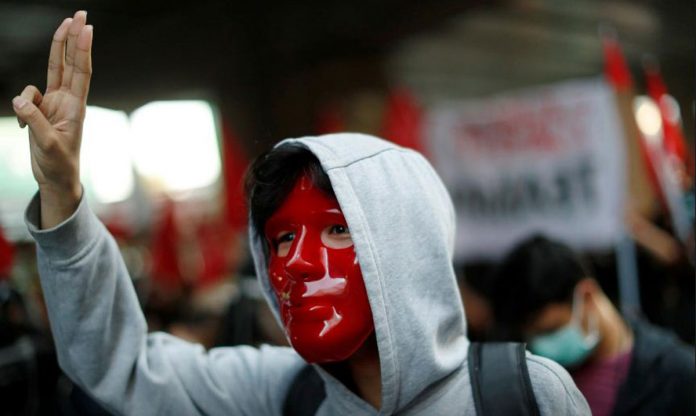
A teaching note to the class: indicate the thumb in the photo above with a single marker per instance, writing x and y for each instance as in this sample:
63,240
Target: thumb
29,114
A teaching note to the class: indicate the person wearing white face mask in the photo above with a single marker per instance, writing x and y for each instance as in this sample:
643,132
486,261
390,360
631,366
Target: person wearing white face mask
571,344
543,294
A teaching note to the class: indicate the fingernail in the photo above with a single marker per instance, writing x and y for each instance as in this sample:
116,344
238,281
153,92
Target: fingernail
19,102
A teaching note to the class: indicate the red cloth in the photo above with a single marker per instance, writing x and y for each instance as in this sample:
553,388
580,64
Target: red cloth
403,120
165,256
402,123
7,252
235,163
615,67
673,143
619,76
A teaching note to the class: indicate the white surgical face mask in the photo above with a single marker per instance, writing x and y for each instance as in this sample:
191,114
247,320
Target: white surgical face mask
569,345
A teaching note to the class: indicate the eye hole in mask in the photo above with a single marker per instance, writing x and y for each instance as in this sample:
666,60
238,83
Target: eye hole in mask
336,236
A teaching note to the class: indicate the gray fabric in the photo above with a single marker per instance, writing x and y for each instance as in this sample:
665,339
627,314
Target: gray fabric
402,223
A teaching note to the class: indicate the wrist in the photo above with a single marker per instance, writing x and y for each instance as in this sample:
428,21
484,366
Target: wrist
58,203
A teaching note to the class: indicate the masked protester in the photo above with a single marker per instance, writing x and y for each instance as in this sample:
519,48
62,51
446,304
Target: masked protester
571,344
543,294
352,239
315,276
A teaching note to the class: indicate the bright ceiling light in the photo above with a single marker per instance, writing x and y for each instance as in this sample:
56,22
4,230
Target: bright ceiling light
107,169
16,179
175,144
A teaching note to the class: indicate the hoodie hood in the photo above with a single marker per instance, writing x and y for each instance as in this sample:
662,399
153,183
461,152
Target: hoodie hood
402,224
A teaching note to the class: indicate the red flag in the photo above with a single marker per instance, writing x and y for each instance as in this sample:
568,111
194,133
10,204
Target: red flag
6,256
403,120
673,143
235,163
619,76
615,67
165,256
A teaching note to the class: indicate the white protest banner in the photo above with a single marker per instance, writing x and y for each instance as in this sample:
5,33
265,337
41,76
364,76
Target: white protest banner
545,160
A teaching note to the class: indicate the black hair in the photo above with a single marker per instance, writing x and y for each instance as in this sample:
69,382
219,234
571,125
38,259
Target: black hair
273,174
536,273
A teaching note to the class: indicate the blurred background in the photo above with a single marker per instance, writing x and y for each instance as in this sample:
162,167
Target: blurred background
590,102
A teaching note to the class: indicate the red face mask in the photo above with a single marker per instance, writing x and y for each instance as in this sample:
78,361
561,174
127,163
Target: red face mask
316,276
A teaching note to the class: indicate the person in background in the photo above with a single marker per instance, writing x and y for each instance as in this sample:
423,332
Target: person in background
543,294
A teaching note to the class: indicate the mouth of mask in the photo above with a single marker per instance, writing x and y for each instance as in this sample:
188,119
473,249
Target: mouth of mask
569,345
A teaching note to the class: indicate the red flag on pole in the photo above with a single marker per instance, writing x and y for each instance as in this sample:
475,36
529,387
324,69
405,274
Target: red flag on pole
615,67
673,143
668,153
643,182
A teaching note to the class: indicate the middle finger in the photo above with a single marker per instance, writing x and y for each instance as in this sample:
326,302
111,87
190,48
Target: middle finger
78,22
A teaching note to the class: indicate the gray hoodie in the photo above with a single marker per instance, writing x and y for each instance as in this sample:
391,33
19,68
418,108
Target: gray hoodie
402,224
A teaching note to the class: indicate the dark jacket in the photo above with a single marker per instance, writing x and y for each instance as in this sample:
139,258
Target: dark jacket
661,378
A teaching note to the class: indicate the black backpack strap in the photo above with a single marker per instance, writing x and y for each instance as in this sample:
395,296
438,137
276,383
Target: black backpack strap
306,393
500,380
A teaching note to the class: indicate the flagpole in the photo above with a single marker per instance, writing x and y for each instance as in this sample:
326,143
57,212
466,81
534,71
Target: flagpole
626,262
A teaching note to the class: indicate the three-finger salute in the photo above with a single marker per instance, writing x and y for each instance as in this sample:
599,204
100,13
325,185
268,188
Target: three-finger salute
55,119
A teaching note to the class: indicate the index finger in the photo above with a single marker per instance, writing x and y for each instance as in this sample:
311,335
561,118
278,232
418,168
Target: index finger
82,71
56,58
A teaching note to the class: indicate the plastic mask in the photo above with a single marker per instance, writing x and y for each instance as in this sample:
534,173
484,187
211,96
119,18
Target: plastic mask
316,277
569,346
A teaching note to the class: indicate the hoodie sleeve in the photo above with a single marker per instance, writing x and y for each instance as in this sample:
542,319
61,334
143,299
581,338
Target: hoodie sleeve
554,389
102,342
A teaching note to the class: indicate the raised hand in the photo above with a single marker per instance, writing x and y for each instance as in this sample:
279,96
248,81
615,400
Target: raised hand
56,118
